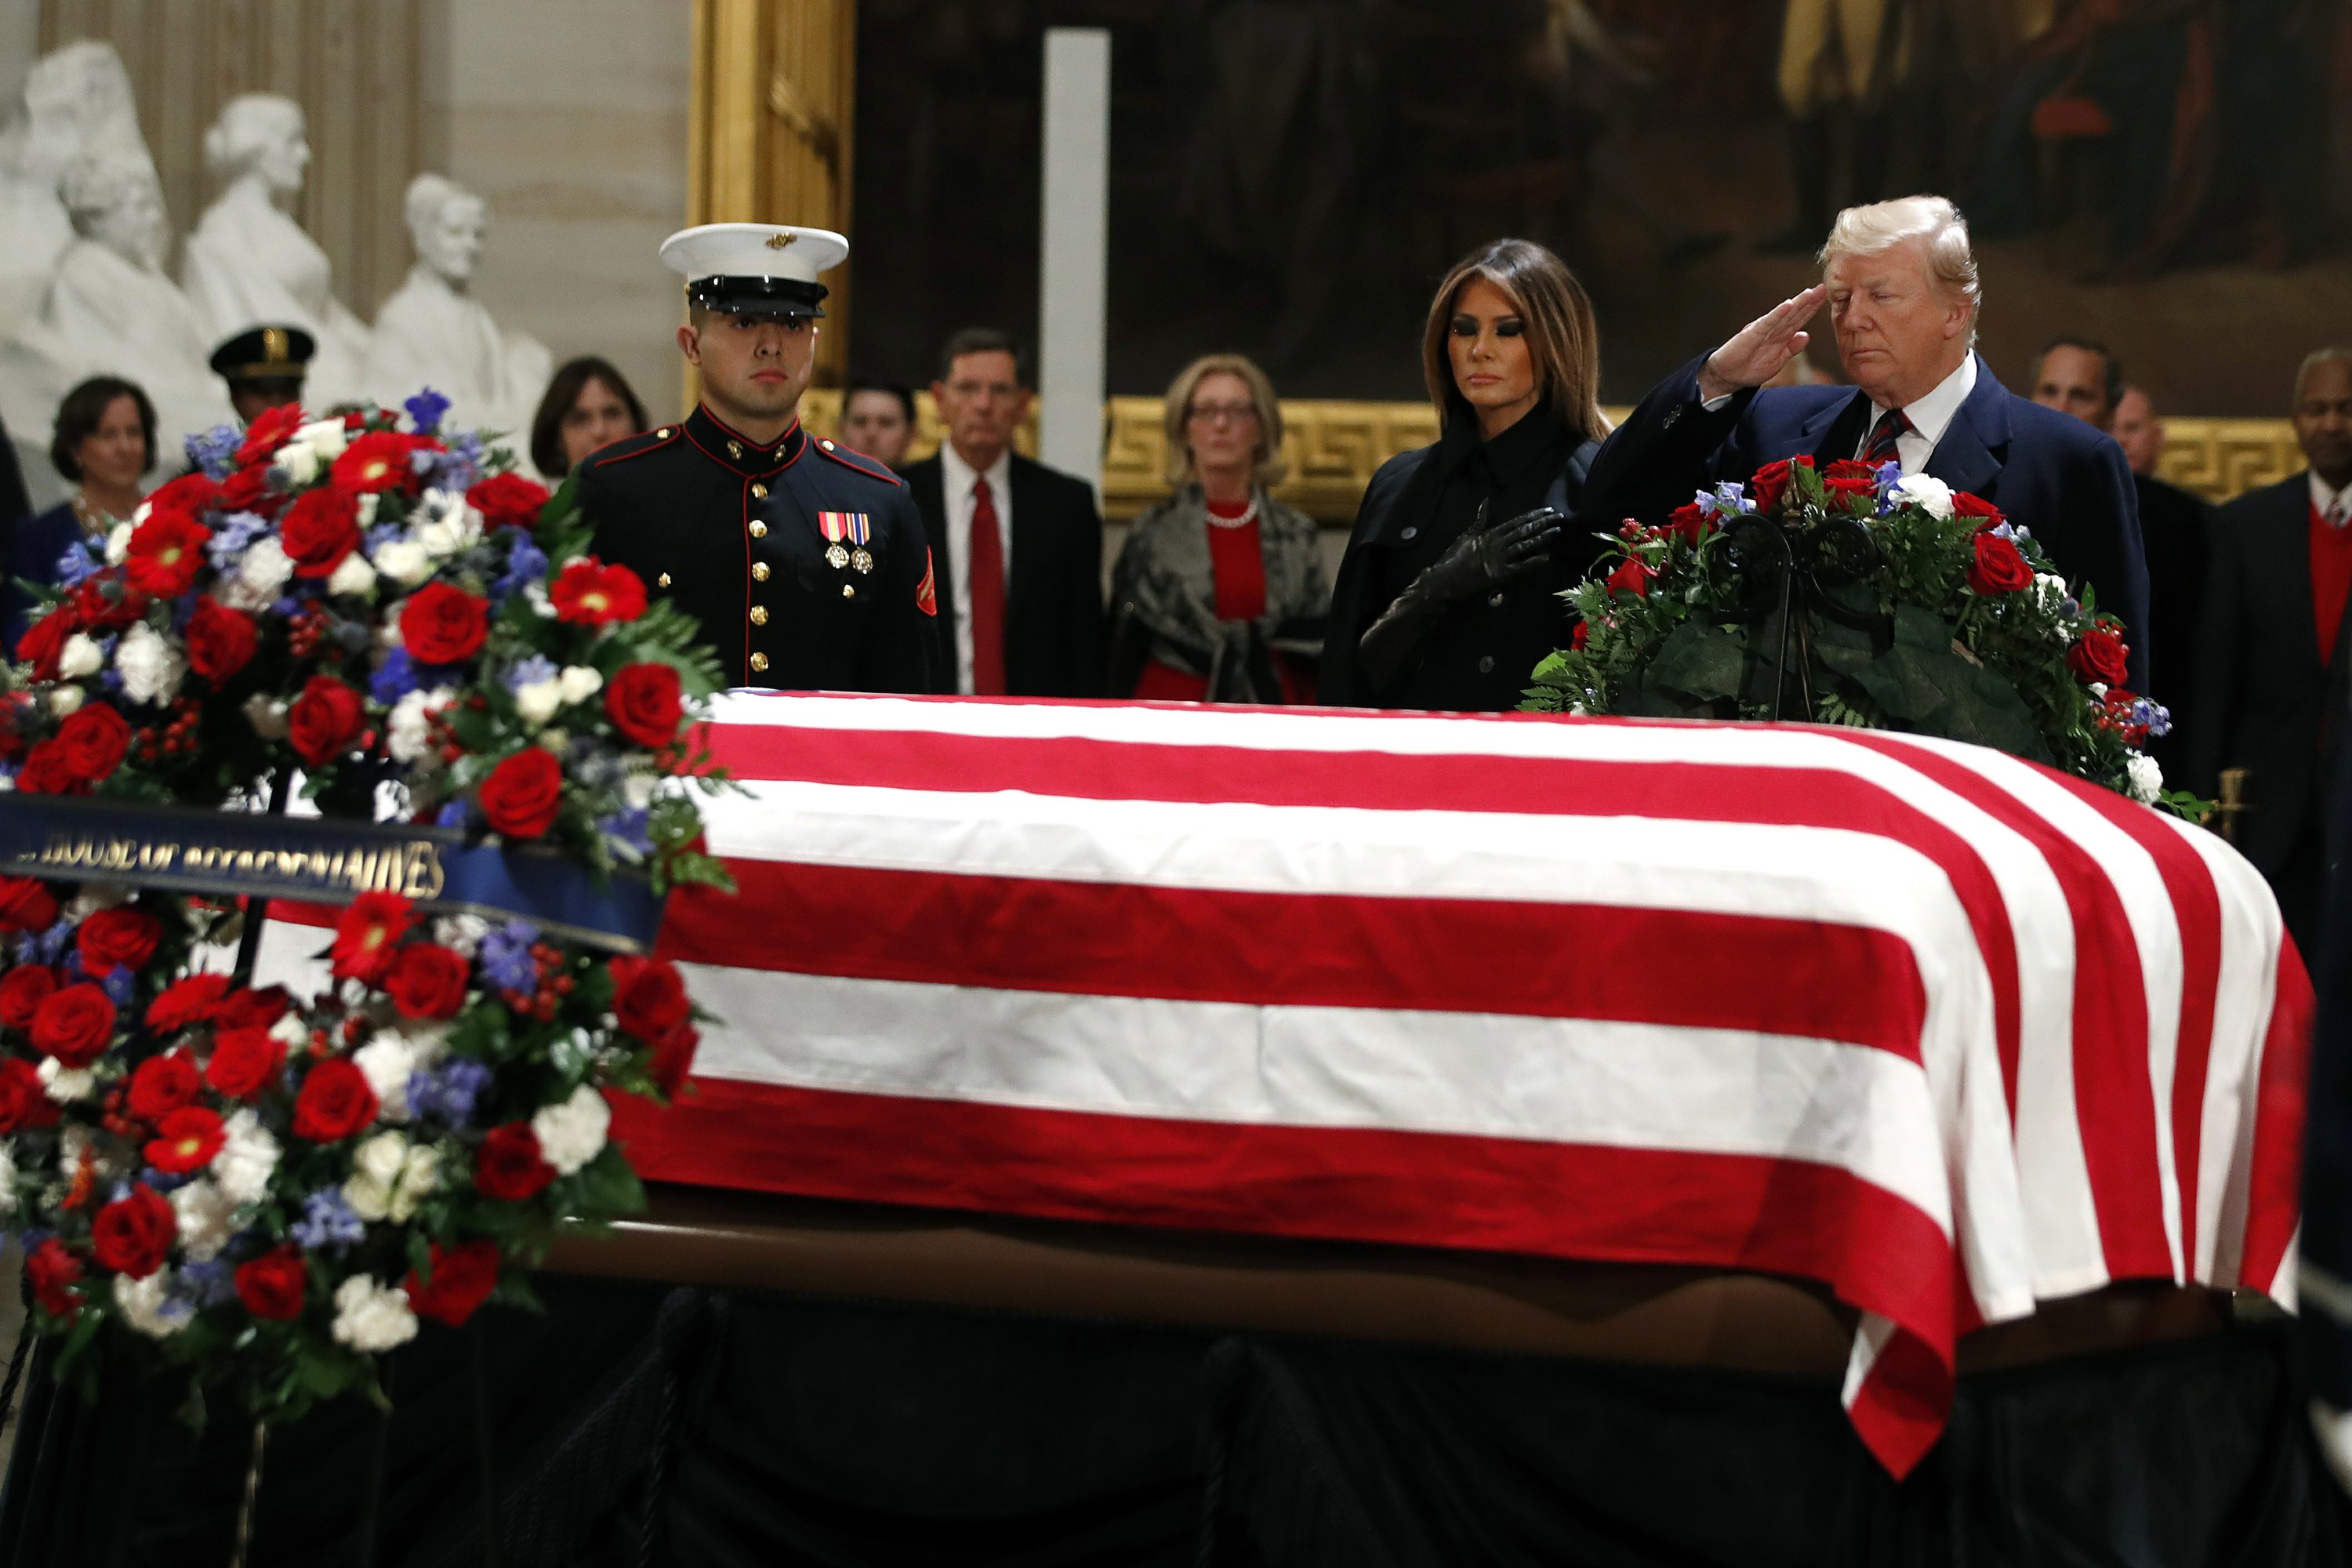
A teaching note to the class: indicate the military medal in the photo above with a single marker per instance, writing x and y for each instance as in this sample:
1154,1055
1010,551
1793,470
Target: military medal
844,529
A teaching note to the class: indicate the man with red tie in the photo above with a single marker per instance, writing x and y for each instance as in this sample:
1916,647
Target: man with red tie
1017,545
2272,672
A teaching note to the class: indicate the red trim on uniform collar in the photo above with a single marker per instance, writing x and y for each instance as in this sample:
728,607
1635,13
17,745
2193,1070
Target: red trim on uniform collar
734,435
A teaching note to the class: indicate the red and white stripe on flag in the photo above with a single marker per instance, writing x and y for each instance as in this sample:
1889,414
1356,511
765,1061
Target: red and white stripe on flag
1945,1031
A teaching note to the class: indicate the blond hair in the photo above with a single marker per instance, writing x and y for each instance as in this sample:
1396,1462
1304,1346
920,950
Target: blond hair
1563,338
1176,460
1882,226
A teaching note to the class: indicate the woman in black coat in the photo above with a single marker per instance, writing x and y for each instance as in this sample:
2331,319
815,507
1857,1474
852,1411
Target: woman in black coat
1449,593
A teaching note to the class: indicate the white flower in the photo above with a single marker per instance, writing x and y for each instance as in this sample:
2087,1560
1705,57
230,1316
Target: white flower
117,543
150,668
572,1133
64,1084
326,439
463,933
555,743
390,1176
1922,491
408,736
364,510
386,1061
2098,690
458,527
2147,778
536,703
298,462
637,789
371,1317
262,572
7,1181
91,897
379,1158
535,591
207,1218
580,683
420,1176
147,1304
352,576
80,657
404,561
370,1199
65,700
248,1156
288,1031
267,714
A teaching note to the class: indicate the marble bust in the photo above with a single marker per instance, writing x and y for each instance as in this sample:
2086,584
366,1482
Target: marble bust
432,332
76,101
248,264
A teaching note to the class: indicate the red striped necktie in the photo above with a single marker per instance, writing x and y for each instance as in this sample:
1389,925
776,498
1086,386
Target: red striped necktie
1880,448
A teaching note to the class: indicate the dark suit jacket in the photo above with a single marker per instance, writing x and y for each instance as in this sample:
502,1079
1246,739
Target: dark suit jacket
1054,605
2173,524
34,544
2263,695
2048,471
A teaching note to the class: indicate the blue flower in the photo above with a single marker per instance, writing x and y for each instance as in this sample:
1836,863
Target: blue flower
213,451
210,1283
394,679
1890,474
628,828
530,671
162,1180
2003,531
327,1221
447,1093
1731,498
451,816
526,563
425,409
229,542
75,564
2154,715
116,983
506,959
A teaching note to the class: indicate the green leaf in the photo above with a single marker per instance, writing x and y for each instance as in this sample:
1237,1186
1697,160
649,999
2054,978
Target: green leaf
1700,662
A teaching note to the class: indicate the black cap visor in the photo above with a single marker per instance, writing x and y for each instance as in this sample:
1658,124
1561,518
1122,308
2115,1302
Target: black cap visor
788,298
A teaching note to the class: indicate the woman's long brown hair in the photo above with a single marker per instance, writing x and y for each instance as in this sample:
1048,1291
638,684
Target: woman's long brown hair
1562,337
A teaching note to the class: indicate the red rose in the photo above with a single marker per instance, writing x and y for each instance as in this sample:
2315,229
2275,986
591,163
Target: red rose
193,493
509,1166
320,528
442,625
509,500
1689,521
221,641
23,990
24,1101
45,640
522,793
326,720
648,997
427,981
2098,655
247,489
674,1058
74,1024
1986,514
107,604
252,1009
1632,577
161,1085
1772,479
273,1285
186,1141
1581,636
376,462
462,1278
271,430
26,904
93,742
53,1273
185,1002
244,1062
1849,477
167,550
124,937
1998,567
589,593
335,1103
134,1234
367,933
643,703
46,771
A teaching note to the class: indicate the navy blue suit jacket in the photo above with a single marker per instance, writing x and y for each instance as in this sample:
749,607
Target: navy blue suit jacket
2047,472
29,552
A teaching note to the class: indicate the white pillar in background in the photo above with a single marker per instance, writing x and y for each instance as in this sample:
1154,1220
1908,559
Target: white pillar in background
1074,252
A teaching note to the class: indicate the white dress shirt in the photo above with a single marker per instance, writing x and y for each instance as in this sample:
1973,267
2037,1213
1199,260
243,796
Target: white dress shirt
2335,506
957,481
1930,416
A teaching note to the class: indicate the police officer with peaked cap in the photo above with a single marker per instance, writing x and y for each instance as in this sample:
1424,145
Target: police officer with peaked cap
264,368
805,562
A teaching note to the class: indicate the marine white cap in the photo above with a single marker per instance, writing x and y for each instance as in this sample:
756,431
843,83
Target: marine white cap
755,268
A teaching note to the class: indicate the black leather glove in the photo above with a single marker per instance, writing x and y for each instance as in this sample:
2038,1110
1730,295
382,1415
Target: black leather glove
1485,557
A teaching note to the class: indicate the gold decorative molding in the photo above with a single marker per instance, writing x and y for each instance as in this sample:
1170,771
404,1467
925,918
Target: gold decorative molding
1334,446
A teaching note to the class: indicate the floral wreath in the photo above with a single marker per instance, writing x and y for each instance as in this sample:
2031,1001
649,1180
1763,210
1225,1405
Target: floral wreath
264,1189
1856,594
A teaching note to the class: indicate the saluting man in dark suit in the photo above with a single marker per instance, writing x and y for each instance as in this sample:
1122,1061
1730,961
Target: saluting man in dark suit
2272,672
804,561
1018,545
1901,285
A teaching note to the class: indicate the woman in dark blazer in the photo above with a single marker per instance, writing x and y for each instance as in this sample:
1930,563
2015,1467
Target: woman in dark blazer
1449,593
105,444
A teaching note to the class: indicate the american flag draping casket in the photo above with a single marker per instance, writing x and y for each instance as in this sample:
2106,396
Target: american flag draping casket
1944,1031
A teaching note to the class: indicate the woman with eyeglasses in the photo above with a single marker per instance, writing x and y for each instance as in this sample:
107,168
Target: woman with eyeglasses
1220,593
1448,596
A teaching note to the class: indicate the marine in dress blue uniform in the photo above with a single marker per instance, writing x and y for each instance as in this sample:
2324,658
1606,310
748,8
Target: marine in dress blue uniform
805,563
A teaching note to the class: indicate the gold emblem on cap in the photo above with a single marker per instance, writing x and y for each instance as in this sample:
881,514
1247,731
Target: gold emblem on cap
780,241
759,663
274,346
836,557
759,570
758,528
758,614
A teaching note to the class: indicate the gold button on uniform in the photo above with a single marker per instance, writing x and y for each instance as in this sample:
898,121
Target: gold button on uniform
849,590
759,492
758,528
758,614
759,663
662,433
662,581
759,570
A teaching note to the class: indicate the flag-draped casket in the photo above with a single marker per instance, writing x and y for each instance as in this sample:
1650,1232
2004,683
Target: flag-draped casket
1944,1031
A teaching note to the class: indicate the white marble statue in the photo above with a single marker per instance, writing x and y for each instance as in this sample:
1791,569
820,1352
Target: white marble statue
112,309
248,264
433,334
76,101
